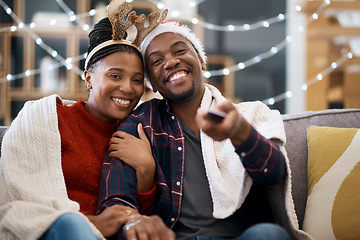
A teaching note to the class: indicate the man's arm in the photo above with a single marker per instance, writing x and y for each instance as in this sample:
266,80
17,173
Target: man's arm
261,157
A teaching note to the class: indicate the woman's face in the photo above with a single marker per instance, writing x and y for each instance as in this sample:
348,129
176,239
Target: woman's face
117,84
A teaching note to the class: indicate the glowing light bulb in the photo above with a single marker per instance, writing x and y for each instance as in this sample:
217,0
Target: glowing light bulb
319,77
207,74
38,41
271,101
226,71
241,65
192,4
92,12
231,27
195,21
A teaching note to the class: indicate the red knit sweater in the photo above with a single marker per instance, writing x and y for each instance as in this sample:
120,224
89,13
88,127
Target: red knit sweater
84,143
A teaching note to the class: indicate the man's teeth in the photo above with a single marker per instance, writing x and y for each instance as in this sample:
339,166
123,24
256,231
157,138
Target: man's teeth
177,76
121,101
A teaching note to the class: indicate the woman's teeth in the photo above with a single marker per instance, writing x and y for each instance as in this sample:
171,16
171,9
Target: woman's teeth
121,101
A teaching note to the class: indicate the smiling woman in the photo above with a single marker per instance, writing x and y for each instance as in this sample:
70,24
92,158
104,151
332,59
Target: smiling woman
58,154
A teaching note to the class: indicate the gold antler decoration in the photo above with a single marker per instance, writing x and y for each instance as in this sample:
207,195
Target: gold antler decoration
154,21
118,10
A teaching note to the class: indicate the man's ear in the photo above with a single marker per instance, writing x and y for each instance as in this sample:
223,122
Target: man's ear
202,62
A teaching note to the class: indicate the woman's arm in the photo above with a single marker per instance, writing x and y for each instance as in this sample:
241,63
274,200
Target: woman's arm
136,152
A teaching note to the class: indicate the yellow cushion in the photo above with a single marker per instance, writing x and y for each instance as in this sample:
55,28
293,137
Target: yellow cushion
333,204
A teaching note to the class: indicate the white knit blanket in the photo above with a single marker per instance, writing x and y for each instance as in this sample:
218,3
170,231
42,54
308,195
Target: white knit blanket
33,192
229,183
228,180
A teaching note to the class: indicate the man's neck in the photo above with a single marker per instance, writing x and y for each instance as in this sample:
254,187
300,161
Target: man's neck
186,112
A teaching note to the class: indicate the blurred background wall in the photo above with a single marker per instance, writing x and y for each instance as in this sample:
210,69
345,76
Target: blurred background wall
293,55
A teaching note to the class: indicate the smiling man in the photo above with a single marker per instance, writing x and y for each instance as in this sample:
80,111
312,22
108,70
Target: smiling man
210,175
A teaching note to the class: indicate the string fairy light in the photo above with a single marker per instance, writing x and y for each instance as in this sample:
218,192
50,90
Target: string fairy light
266,23
72,16
242,65
38,40
313,80
92,12
240,28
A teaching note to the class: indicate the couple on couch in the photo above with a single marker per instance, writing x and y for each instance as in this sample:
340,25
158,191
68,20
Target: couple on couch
170,171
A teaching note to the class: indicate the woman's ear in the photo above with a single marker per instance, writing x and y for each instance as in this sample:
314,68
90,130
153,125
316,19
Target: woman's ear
87,76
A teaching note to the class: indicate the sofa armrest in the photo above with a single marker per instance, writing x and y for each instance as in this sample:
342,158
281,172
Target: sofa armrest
2,132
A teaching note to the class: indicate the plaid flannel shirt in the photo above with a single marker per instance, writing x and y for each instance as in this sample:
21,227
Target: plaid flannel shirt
263,161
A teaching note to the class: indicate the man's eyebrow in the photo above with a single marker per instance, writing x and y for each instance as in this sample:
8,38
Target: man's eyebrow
173,45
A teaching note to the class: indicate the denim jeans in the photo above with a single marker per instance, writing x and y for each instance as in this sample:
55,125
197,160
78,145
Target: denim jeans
261,231
69,226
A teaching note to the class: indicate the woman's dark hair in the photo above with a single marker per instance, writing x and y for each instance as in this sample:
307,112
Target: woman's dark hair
102,32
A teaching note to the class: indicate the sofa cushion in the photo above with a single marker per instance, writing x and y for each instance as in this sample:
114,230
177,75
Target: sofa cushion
333,204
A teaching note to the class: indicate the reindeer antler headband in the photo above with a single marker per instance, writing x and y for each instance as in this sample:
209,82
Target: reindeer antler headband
118,10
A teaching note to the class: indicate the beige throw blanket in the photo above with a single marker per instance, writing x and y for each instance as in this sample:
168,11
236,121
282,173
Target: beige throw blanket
33,193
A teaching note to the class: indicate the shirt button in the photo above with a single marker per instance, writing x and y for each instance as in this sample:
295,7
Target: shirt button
173,117
179,148
243,154
265,170
172,219
178,183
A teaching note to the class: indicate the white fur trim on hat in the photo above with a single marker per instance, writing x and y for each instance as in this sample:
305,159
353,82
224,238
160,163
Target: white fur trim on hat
172,27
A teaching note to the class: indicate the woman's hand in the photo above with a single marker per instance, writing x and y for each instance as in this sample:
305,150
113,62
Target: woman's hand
148,228
113,218
136,153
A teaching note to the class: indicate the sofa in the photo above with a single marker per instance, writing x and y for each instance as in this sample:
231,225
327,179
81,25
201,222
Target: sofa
296,146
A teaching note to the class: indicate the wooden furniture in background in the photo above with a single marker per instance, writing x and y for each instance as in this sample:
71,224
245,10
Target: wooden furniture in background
340,88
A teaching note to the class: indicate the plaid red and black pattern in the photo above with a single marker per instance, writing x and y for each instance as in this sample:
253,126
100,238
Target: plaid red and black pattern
261,158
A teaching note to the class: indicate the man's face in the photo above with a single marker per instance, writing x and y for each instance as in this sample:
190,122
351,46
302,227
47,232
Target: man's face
174,67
